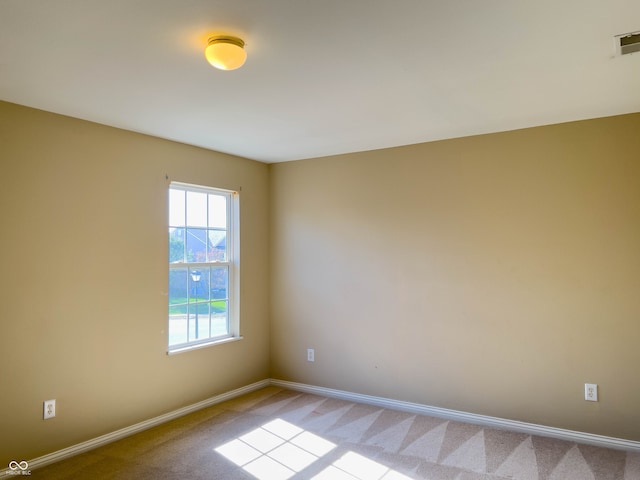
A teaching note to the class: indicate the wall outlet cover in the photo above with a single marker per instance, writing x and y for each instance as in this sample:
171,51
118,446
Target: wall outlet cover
49,409
591,392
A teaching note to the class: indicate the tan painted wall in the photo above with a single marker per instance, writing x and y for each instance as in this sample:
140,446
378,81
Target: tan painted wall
494,274
84,280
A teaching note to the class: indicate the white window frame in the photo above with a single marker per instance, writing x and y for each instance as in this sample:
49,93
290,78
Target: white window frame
232,263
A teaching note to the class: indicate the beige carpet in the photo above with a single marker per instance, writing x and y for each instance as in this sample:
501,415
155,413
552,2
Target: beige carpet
275,434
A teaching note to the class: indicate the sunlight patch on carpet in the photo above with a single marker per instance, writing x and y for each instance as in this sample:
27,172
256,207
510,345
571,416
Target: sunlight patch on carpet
278,450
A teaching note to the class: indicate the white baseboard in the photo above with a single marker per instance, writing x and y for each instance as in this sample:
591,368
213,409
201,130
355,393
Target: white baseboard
484,420
138,427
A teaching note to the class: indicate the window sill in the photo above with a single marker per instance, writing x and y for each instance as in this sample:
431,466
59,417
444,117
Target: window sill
203,345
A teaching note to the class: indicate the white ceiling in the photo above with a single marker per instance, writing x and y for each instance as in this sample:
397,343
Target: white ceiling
322,77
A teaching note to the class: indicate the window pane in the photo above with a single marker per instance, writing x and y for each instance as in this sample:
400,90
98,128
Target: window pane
177,290
219,318
178,310
176,245
219,283
217,211
217,246
176,208
196,245
177,328
192,326
199,281
198,321
196,209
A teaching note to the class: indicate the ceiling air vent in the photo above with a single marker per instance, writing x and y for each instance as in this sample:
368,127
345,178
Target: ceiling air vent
628,43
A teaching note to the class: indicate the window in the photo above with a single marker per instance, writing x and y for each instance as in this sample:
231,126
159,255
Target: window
203,266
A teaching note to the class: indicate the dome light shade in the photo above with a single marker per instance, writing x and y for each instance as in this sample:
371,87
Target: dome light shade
225,53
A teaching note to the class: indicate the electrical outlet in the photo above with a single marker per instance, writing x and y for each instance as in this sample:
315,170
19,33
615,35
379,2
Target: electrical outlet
311,355
591,392
49,409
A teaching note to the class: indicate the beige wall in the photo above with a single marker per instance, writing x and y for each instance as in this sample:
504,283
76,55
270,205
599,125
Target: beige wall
494,274
83,252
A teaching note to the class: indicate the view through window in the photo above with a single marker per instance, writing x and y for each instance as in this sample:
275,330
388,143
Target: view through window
203,265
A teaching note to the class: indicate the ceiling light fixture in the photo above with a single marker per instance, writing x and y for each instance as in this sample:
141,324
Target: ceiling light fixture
225,52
